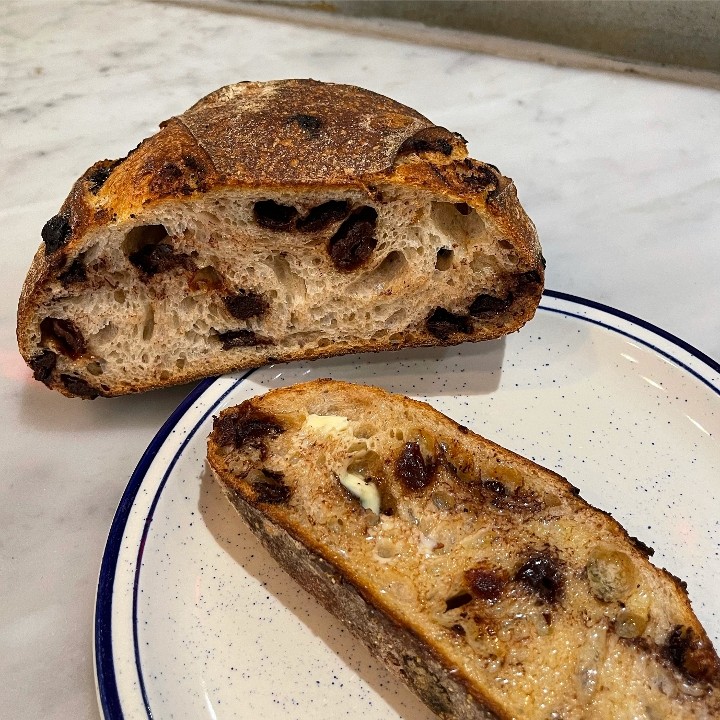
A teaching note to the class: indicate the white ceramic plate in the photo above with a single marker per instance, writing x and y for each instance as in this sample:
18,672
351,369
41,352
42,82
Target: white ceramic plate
193,619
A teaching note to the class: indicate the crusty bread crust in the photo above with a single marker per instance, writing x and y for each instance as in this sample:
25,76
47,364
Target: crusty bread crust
423,669
291,140
491,587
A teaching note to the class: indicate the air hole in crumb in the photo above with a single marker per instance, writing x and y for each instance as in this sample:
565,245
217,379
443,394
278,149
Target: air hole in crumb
94,368
385,549
119,296
105,335
164,375
149,326
457,601
141,236
444,259
364,431
180,363
205,278
392,266
188,303
145,358
505,244
454,224
397,318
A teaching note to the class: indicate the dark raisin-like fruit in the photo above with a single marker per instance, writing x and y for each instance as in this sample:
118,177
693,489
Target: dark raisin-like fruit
75,273
64,336
353,243
677,644
241,338
456,601
485,583
412,469
79,387
271,492
245,425
442,324
542,573
484,304
432,139
181,176
43,365
192,163
274,216
517,501
55,233
532,277
496,487
691,655
246,304
154,259
479,178
323,216
167,178
311,124
97,178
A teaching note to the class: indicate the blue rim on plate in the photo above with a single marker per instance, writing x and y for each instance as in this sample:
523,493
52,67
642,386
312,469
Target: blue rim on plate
108,694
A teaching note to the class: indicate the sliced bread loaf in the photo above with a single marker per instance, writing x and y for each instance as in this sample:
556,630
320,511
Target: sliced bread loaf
271,222
480,578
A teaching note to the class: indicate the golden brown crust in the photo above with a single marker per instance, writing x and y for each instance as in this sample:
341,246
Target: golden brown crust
300,132
286,135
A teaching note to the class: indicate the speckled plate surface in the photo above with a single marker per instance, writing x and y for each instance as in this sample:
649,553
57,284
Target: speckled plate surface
193,619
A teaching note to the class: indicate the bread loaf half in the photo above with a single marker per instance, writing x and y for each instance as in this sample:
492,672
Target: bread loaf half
271,222
480,578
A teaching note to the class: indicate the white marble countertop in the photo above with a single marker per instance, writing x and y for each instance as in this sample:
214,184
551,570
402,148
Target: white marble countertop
621,176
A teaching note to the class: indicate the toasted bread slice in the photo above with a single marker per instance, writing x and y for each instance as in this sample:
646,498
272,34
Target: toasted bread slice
479,577
271,222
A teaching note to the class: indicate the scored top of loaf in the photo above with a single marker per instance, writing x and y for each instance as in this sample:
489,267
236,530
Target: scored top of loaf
302,131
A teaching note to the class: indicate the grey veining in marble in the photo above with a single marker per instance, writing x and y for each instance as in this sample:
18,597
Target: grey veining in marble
620,174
